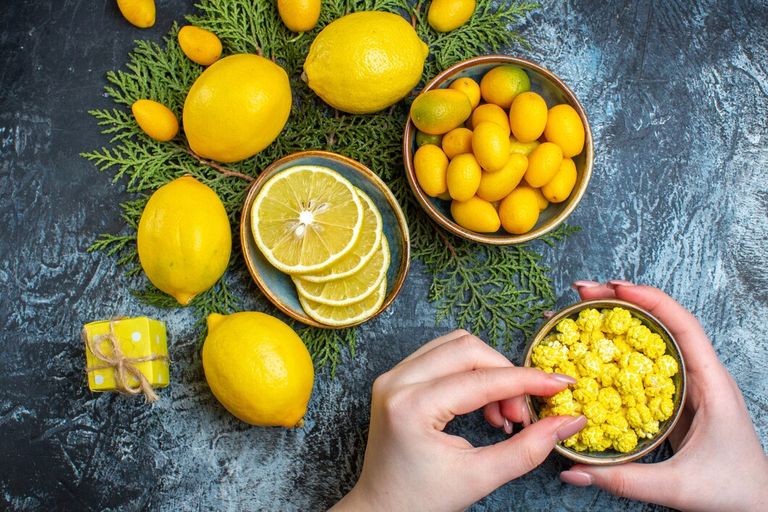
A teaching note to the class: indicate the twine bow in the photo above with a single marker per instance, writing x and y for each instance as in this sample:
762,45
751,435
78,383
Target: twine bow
121,364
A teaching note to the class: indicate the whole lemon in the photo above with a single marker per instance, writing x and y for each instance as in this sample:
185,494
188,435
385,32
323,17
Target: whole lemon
184,240
440,110
258,368
365,61
236,107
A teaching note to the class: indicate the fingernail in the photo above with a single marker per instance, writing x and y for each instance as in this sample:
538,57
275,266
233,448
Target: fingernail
577,478
570,427
507,426
613,283
584,284
559,377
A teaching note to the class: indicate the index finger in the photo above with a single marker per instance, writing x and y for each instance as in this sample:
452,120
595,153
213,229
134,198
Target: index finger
461,393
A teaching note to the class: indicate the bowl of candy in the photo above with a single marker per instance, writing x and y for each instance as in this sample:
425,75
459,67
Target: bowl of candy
498,150
630,379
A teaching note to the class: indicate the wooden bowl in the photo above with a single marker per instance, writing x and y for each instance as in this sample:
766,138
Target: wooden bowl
554,91
276,285
644,446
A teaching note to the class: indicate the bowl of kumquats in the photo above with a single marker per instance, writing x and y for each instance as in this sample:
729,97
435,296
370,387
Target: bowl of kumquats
498,150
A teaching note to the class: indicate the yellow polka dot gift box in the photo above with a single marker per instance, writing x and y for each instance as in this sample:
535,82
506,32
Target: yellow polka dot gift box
128,355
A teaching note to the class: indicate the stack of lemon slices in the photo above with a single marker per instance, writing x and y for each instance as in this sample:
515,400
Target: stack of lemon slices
314,225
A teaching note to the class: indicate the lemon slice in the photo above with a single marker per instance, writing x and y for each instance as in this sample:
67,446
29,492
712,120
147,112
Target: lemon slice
348,290
306,218
339,316
361,253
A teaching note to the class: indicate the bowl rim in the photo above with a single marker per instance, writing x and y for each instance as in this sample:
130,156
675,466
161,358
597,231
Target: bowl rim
450,225
662,435
245,231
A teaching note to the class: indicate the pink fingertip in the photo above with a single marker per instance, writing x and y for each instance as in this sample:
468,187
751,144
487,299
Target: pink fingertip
570,427
584,284
577,478
559,377
613,283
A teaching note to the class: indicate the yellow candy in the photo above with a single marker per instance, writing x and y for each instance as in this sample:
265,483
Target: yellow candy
155,119
199,45
623,392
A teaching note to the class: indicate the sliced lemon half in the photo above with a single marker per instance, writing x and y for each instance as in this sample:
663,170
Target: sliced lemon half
361,253
350,289
339,316
305,218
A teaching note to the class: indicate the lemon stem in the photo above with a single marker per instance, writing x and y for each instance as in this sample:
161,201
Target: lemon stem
222,170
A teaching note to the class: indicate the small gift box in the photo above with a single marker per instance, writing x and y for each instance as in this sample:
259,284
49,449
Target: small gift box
129,355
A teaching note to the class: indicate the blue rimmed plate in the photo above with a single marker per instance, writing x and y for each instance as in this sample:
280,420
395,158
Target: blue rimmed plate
276,285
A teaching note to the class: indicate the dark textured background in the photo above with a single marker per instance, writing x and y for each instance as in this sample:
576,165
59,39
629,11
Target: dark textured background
677,93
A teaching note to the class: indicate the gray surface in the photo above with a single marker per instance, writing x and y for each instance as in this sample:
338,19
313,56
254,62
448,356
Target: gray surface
677,94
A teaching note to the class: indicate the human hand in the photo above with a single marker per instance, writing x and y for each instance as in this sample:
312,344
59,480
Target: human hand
718,463
411,464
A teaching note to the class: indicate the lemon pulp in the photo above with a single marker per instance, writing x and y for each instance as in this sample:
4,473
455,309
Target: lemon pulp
339,316
361,253
306,218
354,288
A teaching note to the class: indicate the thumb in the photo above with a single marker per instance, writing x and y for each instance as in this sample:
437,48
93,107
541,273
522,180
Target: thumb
524,451
653,483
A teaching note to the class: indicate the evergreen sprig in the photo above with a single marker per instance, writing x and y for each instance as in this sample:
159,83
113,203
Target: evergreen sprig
490,290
